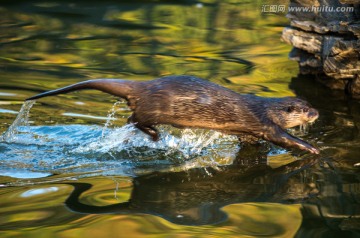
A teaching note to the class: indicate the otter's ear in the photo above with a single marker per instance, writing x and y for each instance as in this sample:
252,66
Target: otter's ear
290,109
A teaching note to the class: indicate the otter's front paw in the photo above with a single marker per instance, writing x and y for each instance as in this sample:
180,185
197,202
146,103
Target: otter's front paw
310,149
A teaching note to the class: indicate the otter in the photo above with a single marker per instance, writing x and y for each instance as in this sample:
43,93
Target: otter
188,101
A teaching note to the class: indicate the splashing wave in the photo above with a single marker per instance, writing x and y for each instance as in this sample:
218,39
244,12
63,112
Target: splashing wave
122,151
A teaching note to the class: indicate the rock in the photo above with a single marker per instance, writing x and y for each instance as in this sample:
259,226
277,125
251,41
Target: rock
310,42
350,1
325,35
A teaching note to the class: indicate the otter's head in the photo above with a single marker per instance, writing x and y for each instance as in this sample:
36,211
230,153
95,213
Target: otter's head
290,112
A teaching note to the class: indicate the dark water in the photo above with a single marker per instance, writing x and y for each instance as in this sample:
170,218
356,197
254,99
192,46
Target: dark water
73,168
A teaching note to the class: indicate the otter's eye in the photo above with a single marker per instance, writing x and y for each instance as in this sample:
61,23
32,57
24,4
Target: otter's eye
290,109
305,109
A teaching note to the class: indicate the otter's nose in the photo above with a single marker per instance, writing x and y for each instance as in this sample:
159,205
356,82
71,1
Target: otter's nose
313,113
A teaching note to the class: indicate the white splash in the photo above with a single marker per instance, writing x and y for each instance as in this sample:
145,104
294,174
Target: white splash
111,116
174,143
22,119
110,149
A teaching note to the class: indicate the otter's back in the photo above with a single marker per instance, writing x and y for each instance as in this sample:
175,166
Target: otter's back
189,101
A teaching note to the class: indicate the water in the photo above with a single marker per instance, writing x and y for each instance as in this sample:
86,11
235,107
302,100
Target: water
22,119
71,166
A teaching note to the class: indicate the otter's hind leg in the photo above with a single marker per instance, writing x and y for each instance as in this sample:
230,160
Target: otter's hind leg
149,130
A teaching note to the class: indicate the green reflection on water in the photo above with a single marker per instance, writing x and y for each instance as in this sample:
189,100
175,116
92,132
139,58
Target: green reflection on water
47,45
46,211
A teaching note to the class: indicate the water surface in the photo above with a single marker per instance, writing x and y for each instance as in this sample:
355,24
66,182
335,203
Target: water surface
70,167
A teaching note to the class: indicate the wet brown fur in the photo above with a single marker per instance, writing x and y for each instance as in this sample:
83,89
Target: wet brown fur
187,101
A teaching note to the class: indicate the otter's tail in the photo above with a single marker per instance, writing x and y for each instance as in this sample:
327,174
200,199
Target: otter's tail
116,87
